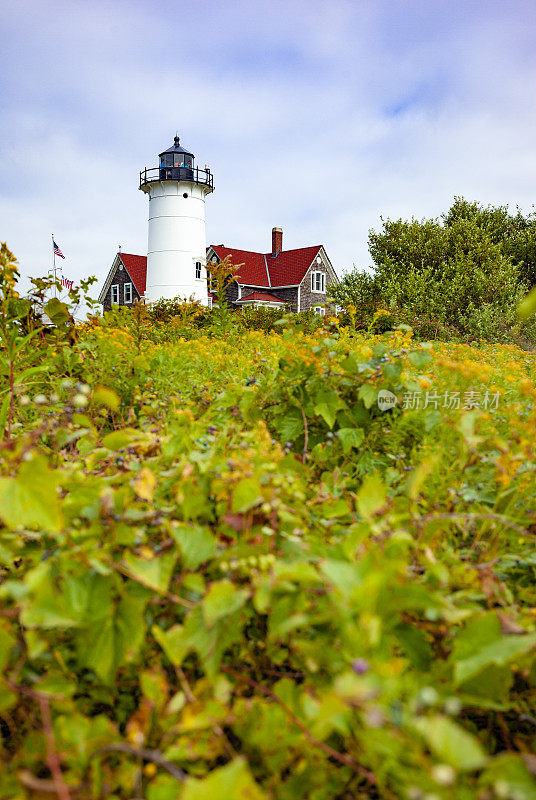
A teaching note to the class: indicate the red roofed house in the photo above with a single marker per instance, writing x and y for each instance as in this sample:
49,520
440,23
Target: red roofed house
125,282
296,278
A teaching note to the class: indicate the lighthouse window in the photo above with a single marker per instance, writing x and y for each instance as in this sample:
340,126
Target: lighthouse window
114,296
128,293
198,270
168,160
318,282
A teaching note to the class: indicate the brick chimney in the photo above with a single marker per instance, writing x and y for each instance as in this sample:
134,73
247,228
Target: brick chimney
277,240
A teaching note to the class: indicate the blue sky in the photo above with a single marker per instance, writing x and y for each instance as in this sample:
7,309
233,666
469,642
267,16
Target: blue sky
318,117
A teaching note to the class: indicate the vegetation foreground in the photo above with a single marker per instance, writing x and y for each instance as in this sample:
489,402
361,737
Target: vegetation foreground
226,573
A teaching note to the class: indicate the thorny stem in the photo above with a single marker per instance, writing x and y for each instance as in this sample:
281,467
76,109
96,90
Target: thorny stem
53,760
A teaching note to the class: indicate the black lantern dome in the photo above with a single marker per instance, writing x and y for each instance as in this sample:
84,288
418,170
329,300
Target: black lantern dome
177,164
176,156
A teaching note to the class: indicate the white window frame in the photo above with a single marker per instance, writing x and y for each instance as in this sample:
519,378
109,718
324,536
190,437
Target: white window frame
318,282
210,302
129,298
114,290
320,311
198,269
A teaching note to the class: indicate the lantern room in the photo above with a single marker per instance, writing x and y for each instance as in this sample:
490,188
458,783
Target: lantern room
175,162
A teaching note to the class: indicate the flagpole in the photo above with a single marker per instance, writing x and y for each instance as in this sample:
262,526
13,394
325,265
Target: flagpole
54,267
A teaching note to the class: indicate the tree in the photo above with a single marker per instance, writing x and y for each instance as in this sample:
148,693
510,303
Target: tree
467,270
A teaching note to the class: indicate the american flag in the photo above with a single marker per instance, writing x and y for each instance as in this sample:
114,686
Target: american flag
64,282
57,251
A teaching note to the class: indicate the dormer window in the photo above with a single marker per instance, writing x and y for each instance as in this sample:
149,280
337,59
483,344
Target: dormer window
318,282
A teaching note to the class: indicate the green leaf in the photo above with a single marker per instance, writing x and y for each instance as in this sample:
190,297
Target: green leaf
368,394
509,771
451,743
223,598
23,376
247,494
480,630
197,544
31,499
350,364
108,643
57,311
350,437
231,782
492,684
289,424
371,497
467,427
499,652
47,605
154,573
119,440
327,404
173,642
7,642
4,409
106,397
415,645
141,363
163,787
343,575
527,307
420,359
392,370
210,643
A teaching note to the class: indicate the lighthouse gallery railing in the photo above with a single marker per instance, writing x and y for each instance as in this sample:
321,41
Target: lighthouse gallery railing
188,174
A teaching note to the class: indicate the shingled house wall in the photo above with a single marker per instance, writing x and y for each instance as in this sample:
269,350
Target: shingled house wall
121,277
288,295
308,298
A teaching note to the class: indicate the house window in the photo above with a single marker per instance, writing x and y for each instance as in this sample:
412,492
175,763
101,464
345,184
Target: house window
210,302
318,281
114,296
320,311
198,270
128,292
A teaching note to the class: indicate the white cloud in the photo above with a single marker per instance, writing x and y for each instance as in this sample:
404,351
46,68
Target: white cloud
315,116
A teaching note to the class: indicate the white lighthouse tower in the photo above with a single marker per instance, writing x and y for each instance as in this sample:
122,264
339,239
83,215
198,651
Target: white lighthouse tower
176,252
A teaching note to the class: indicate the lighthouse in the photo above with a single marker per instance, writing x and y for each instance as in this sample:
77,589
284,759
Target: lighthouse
176,251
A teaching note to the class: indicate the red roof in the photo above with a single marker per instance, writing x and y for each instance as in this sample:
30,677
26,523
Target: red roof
261,296
136,266
287,268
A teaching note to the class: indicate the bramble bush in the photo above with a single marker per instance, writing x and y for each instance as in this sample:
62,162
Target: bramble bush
225,573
